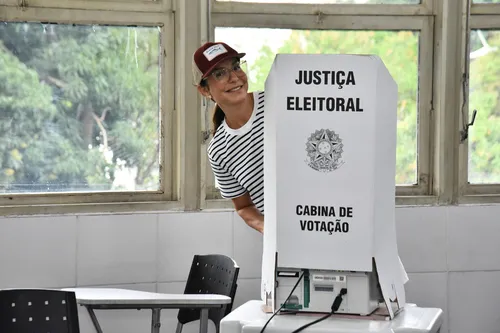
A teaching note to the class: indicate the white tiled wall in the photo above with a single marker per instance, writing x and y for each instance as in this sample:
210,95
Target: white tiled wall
452,255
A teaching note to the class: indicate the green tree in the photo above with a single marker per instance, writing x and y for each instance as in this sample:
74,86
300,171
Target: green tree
84,101
26,113
398,50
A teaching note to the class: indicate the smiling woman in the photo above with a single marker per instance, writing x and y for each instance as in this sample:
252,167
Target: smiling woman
236,150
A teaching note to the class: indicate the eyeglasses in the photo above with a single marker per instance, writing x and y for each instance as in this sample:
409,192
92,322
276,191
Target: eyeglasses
222,74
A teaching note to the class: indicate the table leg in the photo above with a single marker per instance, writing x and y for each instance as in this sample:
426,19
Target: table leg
94,319
155,321
204,320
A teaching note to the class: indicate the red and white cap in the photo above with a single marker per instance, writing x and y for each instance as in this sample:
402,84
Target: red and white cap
208,56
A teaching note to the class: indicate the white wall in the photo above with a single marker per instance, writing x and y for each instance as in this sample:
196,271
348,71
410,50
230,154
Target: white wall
452,255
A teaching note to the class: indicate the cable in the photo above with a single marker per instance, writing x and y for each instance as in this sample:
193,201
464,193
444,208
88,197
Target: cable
282,305
335,308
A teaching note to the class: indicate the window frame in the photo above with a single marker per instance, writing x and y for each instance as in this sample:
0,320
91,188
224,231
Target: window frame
490,9
105,5
339,17
167,196
228,7
483,16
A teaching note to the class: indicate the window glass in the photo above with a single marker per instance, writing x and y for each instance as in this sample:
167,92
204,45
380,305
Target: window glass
398,49
79,108
484,96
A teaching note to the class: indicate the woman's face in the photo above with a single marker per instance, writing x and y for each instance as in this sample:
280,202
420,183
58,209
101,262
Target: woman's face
227,84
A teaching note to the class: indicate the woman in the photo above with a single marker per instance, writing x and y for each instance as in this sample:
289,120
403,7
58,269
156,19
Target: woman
236,152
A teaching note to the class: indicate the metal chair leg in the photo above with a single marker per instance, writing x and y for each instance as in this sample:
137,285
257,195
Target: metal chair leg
179,328
155,321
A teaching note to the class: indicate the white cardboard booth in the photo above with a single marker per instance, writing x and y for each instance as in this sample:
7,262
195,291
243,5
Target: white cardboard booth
329,180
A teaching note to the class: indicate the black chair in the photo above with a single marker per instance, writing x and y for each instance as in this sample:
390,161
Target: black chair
210,274
38,310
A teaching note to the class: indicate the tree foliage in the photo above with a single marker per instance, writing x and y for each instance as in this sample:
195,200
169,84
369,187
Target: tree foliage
78,108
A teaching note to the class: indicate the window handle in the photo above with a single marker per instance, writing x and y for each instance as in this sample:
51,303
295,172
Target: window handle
464,133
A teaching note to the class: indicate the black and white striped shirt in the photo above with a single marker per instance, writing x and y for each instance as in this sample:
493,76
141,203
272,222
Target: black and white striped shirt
237,157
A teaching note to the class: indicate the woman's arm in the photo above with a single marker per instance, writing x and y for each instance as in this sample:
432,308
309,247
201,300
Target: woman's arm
248,212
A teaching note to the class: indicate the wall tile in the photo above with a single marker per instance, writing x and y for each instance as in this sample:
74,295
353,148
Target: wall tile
116,249
473,238
429,290
421,234
247,248
37,252
474,300
183,235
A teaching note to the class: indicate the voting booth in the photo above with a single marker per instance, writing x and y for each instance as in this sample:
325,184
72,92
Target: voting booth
329,180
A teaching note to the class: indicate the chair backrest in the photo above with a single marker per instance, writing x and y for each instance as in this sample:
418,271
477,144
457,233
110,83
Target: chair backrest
38,310
211,274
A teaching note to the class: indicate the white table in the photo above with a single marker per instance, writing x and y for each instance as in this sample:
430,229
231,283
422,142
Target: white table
114,299
249,318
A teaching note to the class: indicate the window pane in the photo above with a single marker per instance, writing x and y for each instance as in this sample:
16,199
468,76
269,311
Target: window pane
485,1
79,108
398,50
484,89
377,2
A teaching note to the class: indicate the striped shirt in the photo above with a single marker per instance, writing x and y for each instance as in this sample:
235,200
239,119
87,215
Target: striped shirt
237,157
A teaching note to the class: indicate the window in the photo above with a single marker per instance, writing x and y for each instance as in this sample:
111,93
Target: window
398,49
480,158
98,111
484,135
84,107
80,108
403,42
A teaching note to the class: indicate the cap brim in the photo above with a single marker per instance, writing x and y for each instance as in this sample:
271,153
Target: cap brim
238,55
